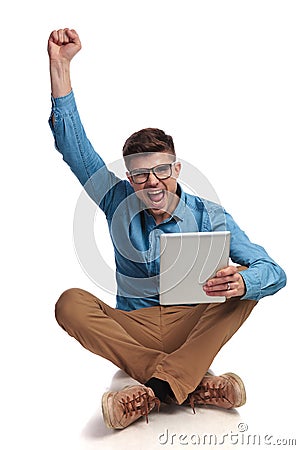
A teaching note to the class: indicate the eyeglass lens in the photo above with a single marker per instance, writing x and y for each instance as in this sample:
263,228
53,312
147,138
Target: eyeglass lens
162,172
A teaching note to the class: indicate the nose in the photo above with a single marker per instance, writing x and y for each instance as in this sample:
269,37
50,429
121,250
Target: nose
152,180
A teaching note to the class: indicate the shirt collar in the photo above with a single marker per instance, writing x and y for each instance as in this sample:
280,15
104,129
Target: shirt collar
179,211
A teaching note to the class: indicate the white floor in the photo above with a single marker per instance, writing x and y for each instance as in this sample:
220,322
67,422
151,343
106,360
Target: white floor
172,426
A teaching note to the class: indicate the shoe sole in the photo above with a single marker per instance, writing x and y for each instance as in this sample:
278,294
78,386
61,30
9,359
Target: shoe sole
241,386
105,411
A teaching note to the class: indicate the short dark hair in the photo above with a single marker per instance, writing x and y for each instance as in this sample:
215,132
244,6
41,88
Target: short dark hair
148,140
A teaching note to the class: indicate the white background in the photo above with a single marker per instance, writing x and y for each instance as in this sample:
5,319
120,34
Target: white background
222,77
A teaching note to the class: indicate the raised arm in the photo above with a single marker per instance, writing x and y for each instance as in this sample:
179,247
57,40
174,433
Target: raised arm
63,45
69,135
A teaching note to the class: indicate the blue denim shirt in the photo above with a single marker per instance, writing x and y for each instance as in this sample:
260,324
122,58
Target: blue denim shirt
134,232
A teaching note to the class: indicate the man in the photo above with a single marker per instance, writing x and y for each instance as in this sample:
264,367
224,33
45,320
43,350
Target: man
168,350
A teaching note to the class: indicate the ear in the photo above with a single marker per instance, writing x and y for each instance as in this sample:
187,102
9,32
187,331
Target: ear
129,178
177,169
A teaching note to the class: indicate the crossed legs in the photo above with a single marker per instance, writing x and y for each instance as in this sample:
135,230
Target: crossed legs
176,344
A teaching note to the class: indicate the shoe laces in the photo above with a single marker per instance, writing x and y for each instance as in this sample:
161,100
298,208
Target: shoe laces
140,403
205,393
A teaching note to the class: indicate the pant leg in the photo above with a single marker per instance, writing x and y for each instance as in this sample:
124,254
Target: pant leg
130,340
214,325
175,344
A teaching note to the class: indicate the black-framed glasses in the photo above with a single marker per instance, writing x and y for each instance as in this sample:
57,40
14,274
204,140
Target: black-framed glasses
161,172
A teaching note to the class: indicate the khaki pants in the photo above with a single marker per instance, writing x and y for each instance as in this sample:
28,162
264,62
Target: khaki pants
174,343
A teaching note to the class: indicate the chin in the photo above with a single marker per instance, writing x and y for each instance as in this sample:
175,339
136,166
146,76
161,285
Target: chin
156,212
159,214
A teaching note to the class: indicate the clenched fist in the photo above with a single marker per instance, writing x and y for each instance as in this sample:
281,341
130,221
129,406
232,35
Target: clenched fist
63,45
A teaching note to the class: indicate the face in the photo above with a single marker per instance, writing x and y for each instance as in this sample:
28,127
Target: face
159,196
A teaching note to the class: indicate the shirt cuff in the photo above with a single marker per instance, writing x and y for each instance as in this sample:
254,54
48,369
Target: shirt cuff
252,282
65,102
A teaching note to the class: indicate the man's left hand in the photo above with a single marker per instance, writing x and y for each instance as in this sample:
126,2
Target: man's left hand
227,283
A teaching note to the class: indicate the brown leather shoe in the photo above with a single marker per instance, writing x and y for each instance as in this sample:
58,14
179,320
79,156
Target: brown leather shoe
226,391
122,408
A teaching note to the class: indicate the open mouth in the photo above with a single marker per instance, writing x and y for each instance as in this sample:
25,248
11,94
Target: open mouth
156,197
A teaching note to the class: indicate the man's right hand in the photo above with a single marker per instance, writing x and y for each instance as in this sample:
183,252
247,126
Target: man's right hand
63,45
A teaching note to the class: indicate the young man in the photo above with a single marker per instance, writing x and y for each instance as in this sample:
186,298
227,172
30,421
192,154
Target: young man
168,350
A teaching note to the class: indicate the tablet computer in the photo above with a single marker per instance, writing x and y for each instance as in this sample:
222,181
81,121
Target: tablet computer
187,261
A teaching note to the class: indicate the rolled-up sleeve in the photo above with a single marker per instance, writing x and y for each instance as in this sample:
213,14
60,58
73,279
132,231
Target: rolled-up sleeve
77,151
